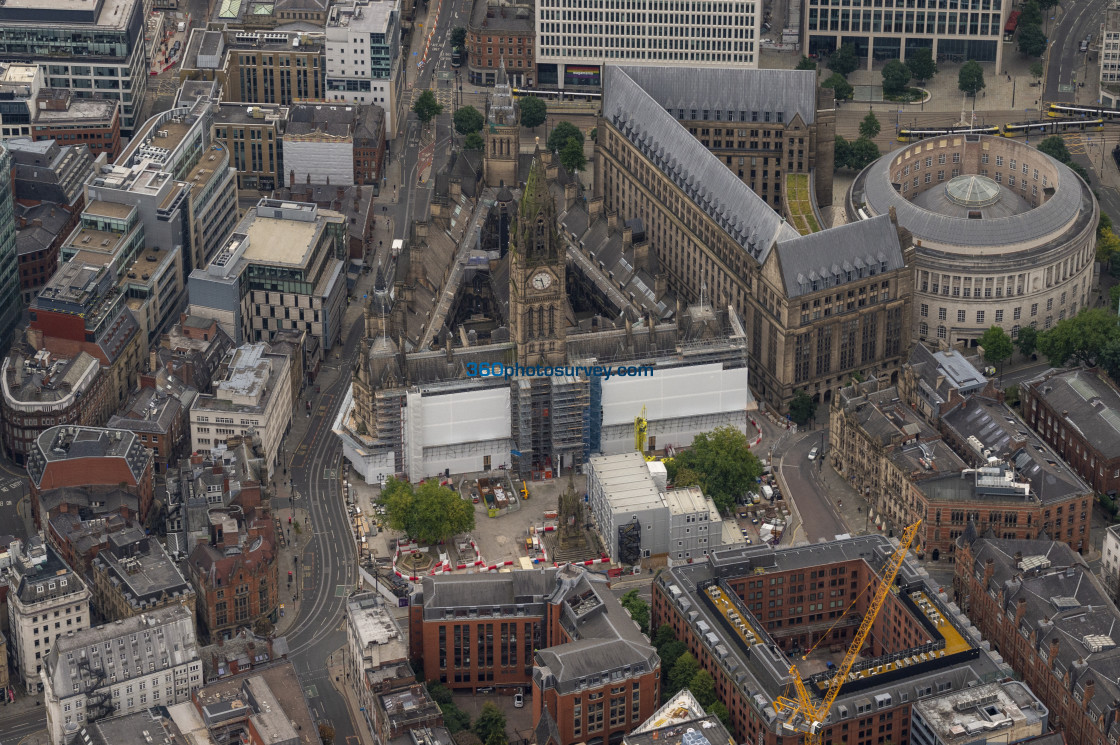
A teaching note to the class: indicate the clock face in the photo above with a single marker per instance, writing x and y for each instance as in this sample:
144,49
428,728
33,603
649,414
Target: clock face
542,281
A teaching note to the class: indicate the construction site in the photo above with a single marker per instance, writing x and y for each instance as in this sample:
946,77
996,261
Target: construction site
846,671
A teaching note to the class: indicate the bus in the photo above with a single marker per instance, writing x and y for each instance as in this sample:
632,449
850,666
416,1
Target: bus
912,135
1053,126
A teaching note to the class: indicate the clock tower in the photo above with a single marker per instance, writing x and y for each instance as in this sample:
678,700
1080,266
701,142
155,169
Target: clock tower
538,303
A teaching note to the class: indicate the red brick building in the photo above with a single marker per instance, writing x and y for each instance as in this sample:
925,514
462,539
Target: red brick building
500,34
75,456
158,417
1077,412
1042,609
592,671
746,612
70,120
41,230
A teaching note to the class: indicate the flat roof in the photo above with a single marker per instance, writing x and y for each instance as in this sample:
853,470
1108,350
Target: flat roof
992,711
627,482
273,241
109,209
80,109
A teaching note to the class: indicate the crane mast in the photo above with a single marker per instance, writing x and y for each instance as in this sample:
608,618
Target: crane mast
803,714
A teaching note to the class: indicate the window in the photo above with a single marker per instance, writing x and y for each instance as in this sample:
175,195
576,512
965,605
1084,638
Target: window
925,310
979,316
941,314
999,316
940,332
960,316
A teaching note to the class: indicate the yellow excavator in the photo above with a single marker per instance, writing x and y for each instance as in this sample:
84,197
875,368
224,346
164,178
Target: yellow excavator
807,716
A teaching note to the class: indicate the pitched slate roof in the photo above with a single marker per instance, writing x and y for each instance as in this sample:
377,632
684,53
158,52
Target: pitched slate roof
731,92
711,185
863,248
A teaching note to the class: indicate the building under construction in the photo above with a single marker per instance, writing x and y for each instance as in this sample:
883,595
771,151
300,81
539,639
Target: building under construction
746,612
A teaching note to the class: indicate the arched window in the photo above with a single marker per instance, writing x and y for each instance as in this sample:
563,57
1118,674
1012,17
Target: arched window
529,326
552,321
540,322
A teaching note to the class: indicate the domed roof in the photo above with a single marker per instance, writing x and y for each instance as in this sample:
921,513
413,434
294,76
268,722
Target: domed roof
504,194
971,190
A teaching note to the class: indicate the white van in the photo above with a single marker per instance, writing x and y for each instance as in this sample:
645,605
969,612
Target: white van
766,492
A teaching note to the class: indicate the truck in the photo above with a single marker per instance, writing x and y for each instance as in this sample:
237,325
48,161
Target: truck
182,26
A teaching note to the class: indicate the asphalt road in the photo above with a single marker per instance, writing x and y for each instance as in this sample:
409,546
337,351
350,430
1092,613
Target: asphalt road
819,519
1067,65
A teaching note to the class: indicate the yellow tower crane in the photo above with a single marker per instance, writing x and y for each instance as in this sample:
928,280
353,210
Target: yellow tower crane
805,715
641,429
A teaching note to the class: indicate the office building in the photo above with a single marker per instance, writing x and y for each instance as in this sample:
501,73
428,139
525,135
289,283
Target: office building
283,268
119,668
376,657
1040,605
1110,56
133,575
76,457
500,36
985,432
46,602
192,350
40,232
640,518
41,391
879,34
932,381
79,538
334,145
681,720
919,644
95,49
1077,412
363,57
559,629
1003,233
255,66
813,316
253,396
252,135
157,414
575,44
1006,712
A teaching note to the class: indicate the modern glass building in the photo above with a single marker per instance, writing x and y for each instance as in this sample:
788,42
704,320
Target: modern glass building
10,307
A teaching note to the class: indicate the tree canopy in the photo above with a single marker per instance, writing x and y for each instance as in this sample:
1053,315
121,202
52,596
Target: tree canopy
870,126
1055,147
491,721
802,407
533,111
1027,341
684,670
1078,340
806,64
861,153
467,120
1036,69
639,609
970,80
997,345
458,36
561,133
703,687
922,65
426,106
842,90
429,513
896,75
724,463
474,141
844,60
571,155
1032,41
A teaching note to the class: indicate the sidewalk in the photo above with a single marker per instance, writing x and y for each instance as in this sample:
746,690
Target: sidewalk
340,679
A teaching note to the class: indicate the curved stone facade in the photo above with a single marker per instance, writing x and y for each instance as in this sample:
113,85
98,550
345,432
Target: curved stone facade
1022,257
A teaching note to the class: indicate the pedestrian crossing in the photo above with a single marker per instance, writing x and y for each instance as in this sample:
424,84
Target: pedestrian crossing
443,97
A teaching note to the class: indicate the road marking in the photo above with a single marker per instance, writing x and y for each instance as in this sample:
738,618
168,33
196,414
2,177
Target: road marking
311,691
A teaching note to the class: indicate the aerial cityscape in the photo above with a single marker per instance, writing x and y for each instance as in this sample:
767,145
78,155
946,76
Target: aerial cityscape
533,372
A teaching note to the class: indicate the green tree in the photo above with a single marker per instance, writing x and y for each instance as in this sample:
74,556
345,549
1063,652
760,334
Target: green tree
896,75
572,157
533,111
997,346
326,733
430,513
842,90
922,65
670,653
802,407
970,80
1037,69
1080,339
426,106
439,693
458,36
1108,245
490,720
684,670
1109,357
468,120
1114,297
1047,4
1055,147
474,141
663,635
863,153
497,737
721,711
844,60
454,718
703,687
639,609
1027,341
725,463
561,133
806,64
870,126
842,153
1032,41
262,626
1031,14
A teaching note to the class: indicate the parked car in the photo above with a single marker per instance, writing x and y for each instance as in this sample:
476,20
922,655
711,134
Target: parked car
519,701
813,453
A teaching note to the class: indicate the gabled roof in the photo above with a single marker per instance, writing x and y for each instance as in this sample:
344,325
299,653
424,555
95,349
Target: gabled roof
843,254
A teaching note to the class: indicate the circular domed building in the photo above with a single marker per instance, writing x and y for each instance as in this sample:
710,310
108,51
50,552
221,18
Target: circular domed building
1003,234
